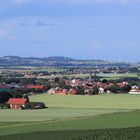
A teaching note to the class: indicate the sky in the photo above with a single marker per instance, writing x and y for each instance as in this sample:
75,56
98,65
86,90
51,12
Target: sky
80,29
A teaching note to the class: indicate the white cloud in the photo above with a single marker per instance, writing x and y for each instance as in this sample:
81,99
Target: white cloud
12,37
6,35
3,33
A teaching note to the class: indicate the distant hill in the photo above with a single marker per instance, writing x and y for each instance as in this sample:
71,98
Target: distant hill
59,58
56,61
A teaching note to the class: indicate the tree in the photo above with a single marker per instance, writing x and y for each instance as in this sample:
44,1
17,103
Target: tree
66,87
115,89
16,94
126,88
105,81
4,97
26,97
95,91
47,87
57,80
80,90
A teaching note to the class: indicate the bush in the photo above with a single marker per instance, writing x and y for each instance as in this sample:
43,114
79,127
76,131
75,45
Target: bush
4,97
114,89
4,106
34,105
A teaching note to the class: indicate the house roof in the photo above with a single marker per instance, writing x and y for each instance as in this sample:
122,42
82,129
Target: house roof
6,87
121,84
17,101
35,86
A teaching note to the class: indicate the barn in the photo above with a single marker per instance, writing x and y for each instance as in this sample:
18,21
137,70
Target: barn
16,103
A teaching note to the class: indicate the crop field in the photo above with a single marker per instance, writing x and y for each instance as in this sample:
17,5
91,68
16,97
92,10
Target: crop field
74,117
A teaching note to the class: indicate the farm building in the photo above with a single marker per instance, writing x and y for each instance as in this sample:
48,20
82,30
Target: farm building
16,103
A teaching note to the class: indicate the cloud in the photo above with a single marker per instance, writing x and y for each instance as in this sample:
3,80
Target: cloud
36,22
12,37
6,35
40,22
2,33
23,24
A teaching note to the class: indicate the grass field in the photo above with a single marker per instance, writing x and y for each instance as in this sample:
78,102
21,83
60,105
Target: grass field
74,117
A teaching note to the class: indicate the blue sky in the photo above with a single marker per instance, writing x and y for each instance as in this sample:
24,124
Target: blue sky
81,29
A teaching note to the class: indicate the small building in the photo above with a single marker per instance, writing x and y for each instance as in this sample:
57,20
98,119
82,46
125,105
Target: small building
16,103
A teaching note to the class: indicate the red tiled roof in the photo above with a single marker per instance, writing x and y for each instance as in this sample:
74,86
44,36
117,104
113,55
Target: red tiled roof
17,101
35,86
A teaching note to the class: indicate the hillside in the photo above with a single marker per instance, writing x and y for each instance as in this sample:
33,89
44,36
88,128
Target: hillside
56,61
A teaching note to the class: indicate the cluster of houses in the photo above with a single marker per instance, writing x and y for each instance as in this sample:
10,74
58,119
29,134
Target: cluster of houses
88,86
60,91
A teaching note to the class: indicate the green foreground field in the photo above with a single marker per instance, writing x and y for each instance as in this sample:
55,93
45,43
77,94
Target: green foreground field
74,117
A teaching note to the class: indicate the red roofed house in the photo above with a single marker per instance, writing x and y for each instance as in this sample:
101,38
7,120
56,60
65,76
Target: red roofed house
16,103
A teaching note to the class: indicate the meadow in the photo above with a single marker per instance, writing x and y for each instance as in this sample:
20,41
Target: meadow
74,117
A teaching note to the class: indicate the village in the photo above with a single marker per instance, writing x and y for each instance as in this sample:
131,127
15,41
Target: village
14,92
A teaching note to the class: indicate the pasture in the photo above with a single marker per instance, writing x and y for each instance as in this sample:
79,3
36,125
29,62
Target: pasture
73,115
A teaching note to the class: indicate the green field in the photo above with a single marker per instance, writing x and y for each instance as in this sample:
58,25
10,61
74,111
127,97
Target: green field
104,76
74,117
